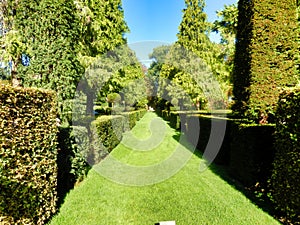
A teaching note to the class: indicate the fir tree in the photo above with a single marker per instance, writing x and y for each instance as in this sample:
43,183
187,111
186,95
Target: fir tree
102,28
49,30
194,27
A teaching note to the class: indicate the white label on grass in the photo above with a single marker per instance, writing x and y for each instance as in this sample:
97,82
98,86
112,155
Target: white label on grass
167,223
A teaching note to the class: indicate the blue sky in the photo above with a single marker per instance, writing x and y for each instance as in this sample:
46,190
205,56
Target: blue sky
158,20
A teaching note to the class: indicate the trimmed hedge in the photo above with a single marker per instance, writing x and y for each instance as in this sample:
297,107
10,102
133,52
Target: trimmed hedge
28,170
205,123
251,152
109,130
87,143
266,56
285,178
246,148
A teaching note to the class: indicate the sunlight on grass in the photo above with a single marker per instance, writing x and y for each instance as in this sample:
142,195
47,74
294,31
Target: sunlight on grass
189,197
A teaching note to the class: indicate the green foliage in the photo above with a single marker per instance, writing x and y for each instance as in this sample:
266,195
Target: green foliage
61,38
205,121
113,98
226,26
50,34
28,170
193,35
128,70
286,172
120,73
86,144
252,152
227,23
102,28
194,27
187,68
110,129
187,78
265,60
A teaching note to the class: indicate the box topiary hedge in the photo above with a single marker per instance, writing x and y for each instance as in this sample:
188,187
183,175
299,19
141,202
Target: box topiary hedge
87,142
285,178
204,123
109,130
247,148
28,170
251,152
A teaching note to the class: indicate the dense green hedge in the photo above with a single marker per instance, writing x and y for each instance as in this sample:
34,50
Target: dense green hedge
28,170
265,59
205,123
109,130
86,143
286,173
251,152
246,148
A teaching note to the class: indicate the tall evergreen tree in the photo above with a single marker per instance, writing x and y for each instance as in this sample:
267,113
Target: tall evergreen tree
193,37
102,27
50,31
194,27
226,26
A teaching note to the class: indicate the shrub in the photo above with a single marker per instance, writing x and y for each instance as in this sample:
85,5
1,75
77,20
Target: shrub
113,98
86,143
109,130
265,59
251,152
246,148
175,120
65,179
28,170
130,118
286,172
198,132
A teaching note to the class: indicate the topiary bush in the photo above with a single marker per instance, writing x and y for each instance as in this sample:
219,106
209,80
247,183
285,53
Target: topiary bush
203,124
251,152
285,178
109,130
266,56
28,153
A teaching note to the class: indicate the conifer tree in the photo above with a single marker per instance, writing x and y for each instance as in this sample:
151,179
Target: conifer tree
102,28
50,31
266,56
193,37
194,27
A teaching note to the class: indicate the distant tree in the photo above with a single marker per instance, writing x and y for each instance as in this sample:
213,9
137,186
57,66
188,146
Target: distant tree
193,37
158,56
226,25
194,28
129,70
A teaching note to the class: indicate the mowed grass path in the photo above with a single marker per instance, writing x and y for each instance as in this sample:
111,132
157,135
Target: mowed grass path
189,197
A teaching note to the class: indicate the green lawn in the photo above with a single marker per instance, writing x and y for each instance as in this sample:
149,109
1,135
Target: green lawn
189,197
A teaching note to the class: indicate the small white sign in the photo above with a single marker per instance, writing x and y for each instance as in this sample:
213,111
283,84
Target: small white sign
167,223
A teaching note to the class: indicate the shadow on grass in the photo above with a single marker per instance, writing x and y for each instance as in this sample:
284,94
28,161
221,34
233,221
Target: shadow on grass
256,194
